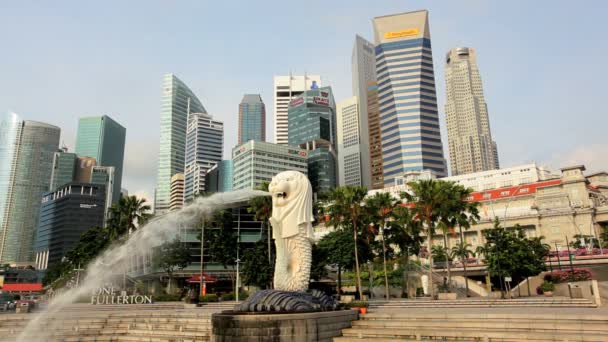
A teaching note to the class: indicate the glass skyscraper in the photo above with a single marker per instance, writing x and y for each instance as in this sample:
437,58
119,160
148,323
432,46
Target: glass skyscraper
102,138
219,177
204,148
252,119
312,126
407,98
177,101
26,162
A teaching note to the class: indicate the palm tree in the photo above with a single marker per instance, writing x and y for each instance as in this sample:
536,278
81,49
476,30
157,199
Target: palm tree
426,198
345,208
462,250
380,207
262,207
127,215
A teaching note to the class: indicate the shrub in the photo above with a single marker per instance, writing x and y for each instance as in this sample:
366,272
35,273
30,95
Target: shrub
357,304
209,298
166,298
539,291
565,276
547,286
228,296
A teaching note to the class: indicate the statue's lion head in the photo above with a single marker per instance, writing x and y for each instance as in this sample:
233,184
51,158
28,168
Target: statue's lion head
291,201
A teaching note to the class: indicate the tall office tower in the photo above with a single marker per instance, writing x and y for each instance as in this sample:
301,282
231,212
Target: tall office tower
350,163
285,89
219,177
177,192
102,138
312,126
65,214
105,175
252,119
375,137
409,119
469,137
255,162
204,147
363,65
69,167
26,162
177,101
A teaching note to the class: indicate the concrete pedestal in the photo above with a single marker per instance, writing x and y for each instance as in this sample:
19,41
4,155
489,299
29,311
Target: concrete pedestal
299,327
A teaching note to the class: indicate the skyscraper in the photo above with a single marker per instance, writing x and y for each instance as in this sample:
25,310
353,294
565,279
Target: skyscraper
69,167
350,163
252,119
469,137
102,138
285,89
375,137
407,98
177,101
177,192
26,161
219,177
312,126
363,66
204,147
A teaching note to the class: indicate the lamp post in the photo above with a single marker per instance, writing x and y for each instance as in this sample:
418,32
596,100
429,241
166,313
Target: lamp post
202,279
238,280
371,277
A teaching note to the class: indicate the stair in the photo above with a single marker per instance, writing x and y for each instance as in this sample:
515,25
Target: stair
408,325
481,302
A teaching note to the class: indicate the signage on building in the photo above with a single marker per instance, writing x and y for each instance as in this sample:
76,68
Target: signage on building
402,33
88,206
108,295
324,101
296,102
324,94
300,153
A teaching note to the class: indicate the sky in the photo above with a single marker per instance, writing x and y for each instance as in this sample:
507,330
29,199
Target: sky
542,64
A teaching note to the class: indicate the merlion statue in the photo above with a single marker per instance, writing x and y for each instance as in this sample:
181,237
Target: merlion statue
292,231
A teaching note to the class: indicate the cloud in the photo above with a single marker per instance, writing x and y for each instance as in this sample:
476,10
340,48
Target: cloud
140,165
593,156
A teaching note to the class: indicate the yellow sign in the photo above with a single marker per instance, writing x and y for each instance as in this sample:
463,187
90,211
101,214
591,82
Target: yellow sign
402,33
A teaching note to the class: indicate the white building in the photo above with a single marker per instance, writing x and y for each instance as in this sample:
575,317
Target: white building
363,66
255,162
350,163
469,137
285,89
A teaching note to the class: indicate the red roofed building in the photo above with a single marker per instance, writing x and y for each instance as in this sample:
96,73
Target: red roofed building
22,287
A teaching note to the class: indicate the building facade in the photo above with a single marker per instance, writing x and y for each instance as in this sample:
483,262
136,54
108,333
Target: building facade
65,214
69,167
409,119
363,64
177,101
375,137
219,177
285,89
204,148
26,162
252,119
469,137
312,126
350,161
177,192
103,139
256,162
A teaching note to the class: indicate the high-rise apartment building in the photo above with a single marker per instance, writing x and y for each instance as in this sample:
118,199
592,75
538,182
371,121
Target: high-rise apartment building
469,137
65,214
102,138
285,89
350,163
255,162
312,126
409,119
219,177
375,137
177,192
252,119
363,66
204,147
26,163
177,101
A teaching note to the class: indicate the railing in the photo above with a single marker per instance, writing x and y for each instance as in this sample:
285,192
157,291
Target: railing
438,279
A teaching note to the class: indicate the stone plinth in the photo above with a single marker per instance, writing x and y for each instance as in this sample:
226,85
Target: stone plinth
299,327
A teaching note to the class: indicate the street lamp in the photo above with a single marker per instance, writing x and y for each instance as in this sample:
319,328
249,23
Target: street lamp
238,280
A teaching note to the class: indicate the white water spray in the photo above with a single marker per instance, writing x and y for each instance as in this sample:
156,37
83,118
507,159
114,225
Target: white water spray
115,259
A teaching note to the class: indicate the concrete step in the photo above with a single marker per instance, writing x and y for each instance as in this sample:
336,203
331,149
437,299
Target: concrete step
205,327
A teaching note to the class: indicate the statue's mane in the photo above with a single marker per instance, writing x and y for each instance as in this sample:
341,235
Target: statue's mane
298,209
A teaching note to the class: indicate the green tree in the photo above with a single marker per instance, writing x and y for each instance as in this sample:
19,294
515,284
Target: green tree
255,268
338,250
463,252
222,239
126,216
171,255
380,208
319,263
261,206
345,209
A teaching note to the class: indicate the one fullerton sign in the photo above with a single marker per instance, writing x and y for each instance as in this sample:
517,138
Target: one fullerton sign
108,295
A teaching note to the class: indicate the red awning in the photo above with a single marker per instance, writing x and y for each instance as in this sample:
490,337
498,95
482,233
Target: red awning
197,279
23,287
